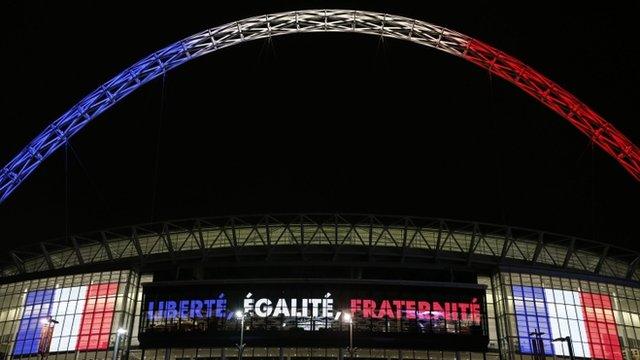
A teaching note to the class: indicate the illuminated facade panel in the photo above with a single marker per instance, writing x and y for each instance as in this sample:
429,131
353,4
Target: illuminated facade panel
66,319
532,317
67,303
59,315
567,319
37,309
601,326
97,316
600,319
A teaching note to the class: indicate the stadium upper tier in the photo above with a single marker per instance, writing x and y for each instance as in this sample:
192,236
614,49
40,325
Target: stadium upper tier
424,239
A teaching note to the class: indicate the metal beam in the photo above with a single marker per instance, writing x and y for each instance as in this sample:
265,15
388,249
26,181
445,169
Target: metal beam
472,243
508,240
136,243
570,251
632,268
539,247
167,240
18,262
76,248
601,260
405,240
199,236
439,239
47,257
105,244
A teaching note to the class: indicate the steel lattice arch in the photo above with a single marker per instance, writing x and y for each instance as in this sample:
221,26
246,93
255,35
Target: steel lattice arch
601,132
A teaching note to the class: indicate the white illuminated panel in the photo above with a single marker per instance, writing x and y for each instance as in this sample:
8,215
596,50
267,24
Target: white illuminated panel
67,309
566,319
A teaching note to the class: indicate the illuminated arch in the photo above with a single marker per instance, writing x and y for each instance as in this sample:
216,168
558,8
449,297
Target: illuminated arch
535,84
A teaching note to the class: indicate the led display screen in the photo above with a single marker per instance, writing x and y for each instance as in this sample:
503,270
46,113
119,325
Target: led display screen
284,314
66,319
543,315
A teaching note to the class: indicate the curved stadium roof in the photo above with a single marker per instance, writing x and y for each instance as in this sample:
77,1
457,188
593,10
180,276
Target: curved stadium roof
423,239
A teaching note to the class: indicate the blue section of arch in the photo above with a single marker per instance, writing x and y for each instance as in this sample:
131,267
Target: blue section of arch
101,99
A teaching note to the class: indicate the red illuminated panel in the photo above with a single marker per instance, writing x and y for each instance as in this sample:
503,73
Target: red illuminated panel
97,317
601,326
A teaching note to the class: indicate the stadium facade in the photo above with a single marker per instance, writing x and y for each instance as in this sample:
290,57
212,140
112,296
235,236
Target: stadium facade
415,288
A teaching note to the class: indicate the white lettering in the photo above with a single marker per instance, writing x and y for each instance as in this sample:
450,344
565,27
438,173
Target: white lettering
315,304
301,308
263,307
281,308
294,307
248,305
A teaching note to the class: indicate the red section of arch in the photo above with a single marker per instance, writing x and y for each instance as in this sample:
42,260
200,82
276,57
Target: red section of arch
601,132
95,327
601,326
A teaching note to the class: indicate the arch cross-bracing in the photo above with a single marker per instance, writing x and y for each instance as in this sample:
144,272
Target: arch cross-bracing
497,62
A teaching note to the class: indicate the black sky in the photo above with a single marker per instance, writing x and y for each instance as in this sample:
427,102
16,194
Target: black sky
320,123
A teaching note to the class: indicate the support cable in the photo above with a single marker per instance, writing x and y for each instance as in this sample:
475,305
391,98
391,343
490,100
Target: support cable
67,190
498,155
156,167
594,226
92,183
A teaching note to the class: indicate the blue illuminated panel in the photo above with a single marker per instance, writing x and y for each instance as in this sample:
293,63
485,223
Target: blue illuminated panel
37,307
531,316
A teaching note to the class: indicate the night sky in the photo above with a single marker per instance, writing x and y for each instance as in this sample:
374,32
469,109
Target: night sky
319,122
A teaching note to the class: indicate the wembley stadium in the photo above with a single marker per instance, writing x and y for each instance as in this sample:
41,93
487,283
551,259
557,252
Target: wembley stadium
319,286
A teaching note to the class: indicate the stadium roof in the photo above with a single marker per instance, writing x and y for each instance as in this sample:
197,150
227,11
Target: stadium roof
413,238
